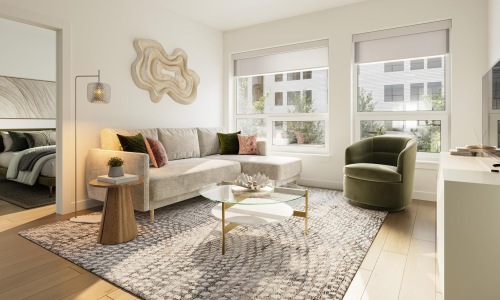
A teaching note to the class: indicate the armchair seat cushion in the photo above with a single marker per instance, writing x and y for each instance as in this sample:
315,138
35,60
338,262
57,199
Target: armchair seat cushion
372,172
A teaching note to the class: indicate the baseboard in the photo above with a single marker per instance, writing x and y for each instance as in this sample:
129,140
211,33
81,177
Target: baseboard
321,184
428,196
420,195
86,204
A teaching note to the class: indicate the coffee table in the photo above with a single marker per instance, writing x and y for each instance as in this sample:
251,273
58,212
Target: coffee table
254,208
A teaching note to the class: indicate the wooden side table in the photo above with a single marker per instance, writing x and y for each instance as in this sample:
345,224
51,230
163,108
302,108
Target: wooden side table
118,219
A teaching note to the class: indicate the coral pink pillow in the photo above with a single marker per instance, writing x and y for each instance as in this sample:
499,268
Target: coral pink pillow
248,144
156,152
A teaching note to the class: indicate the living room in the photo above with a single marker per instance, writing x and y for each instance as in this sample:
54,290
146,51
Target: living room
96,35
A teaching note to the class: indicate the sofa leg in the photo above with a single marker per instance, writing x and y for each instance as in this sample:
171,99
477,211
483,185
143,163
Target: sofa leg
152,215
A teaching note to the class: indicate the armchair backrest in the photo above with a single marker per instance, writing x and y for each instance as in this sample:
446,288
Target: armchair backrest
384,150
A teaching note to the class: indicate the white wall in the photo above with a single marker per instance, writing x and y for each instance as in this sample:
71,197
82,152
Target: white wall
493,31
102,33
27,52
468,46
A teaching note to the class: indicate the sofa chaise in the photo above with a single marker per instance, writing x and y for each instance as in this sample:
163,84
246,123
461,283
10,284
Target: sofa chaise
193,162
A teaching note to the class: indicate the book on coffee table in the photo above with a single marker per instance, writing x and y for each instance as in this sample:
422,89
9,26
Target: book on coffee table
117,180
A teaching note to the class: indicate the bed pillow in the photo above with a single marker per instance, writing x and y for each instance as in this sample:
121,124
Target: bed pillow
134,143
156,152
40,138
247,144
19,141
7,141
229,143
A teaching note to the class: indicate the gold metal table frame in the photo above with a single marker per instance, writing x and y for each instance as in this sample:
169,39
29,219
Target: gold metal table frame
296,213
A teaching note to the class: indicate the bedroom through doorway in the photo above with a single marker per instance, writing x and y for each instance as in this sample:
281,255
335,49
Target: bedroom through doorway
28,115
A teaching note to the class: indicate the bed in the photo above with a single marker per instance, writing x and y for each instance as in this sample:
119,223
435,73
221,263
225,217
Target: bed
47,165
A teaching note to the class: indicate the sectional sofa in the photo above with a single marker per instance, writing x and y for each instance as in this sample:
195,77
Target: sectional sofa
193,162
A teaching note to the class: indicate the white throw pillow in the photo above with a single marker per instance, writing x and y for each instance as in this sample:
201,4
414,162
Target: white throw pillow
7,141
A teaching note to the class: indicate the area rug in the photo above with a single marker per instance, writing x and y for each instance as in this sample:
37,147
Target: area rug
23,195
179,256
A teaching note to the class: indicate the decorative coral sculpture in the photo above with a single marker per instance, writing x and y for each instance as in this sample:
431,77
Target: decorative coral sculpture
255,182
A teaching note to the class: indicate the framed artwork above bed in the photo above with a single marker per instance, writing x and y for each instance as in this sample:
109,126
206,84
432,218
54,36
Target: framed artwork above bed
22,98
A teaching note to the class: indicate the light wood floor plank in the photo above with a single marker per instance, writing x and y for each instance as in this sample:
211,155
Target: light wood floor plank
358,285
83,282
39,285
32,275
419,279
378,243
97,290
401,228
27,265
425,222
386,277
21,255
121,295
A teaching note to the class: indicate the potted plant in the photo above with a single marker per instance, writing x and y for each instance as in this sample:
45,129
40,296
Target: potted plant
115,167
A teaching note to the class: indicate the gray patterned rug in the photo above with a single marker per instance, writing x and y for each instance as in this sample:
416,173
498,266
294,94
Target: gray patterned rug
179,256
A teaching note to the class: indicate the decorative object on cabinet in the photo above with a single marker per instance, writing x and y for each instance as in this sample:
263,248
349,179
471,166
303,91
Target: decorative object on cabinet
160,73
97,93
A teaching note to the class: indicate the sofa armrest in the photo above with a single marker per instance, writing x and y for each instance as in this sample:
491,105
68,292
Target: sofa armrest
261,148
134,163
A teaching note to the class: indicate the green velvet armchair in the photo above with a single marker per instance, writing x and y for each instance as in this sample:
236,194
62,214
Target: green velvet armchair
379,172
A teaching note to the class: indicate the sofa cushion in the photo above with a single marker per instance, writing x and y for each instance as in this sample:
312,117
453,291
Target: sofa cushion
208,140
372,172
275,167
229,143
109,138
157,153
189,175
132,143
247,144
180,142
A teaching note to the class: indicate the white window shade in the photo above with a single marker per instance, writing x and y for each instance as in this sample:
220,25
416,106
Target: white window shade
423,40
316,56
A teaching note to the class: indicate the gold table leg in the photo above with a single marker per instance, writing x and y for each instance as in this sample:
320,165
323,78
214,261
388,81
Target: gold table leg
305,213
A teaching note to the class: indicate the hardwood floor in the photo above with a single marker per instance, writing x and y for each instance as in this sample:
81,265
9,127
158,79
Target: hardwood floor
399,265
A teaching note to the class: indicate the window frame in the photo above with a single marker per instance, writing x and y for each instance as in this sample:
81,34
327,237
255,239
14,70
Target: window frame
443,116
270,118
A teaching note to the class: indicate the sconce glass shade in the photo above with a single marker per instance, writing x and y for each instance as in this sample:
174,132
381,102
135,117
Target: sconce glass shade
99,93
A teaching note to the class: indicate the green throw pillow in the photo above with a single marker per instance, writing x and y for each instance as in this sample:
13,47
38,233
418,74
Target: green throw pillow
229,143
133,143
19,141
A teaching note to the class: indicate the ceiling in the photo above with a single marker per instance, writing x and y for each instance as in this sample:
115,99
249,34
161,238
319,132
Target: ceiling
226,15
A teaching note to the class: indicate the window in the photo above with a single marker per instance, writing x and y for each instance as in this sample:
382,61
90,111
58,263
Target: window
306,75
394,66
292,97
434,63
416,64
394,92
434,89
278,77
293,76
278,98
411,103
416,91
291,115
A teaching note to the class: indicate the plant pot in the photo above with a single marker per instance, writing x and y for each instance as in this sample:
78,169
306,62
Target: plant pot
115,171
300,136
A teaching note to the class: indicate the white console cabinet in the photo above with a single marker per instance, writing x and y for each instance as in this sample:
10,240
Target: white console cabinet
468,227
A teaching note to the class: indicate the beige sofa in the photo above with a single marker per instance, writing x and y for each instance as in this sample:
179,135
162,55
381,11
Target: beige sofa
194,161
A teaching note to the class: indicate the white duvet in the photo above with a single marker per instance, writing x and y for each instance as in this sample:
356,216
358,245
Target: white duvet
28,177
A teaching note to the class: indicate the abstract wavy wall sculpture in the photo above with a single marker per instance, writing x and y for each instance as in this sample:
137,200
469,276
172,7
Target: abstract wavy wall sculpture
22,98
159,73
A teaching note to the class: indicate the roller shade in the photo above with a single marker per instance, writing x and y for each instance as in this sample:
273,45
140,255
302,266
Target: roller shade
423,40
282,59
